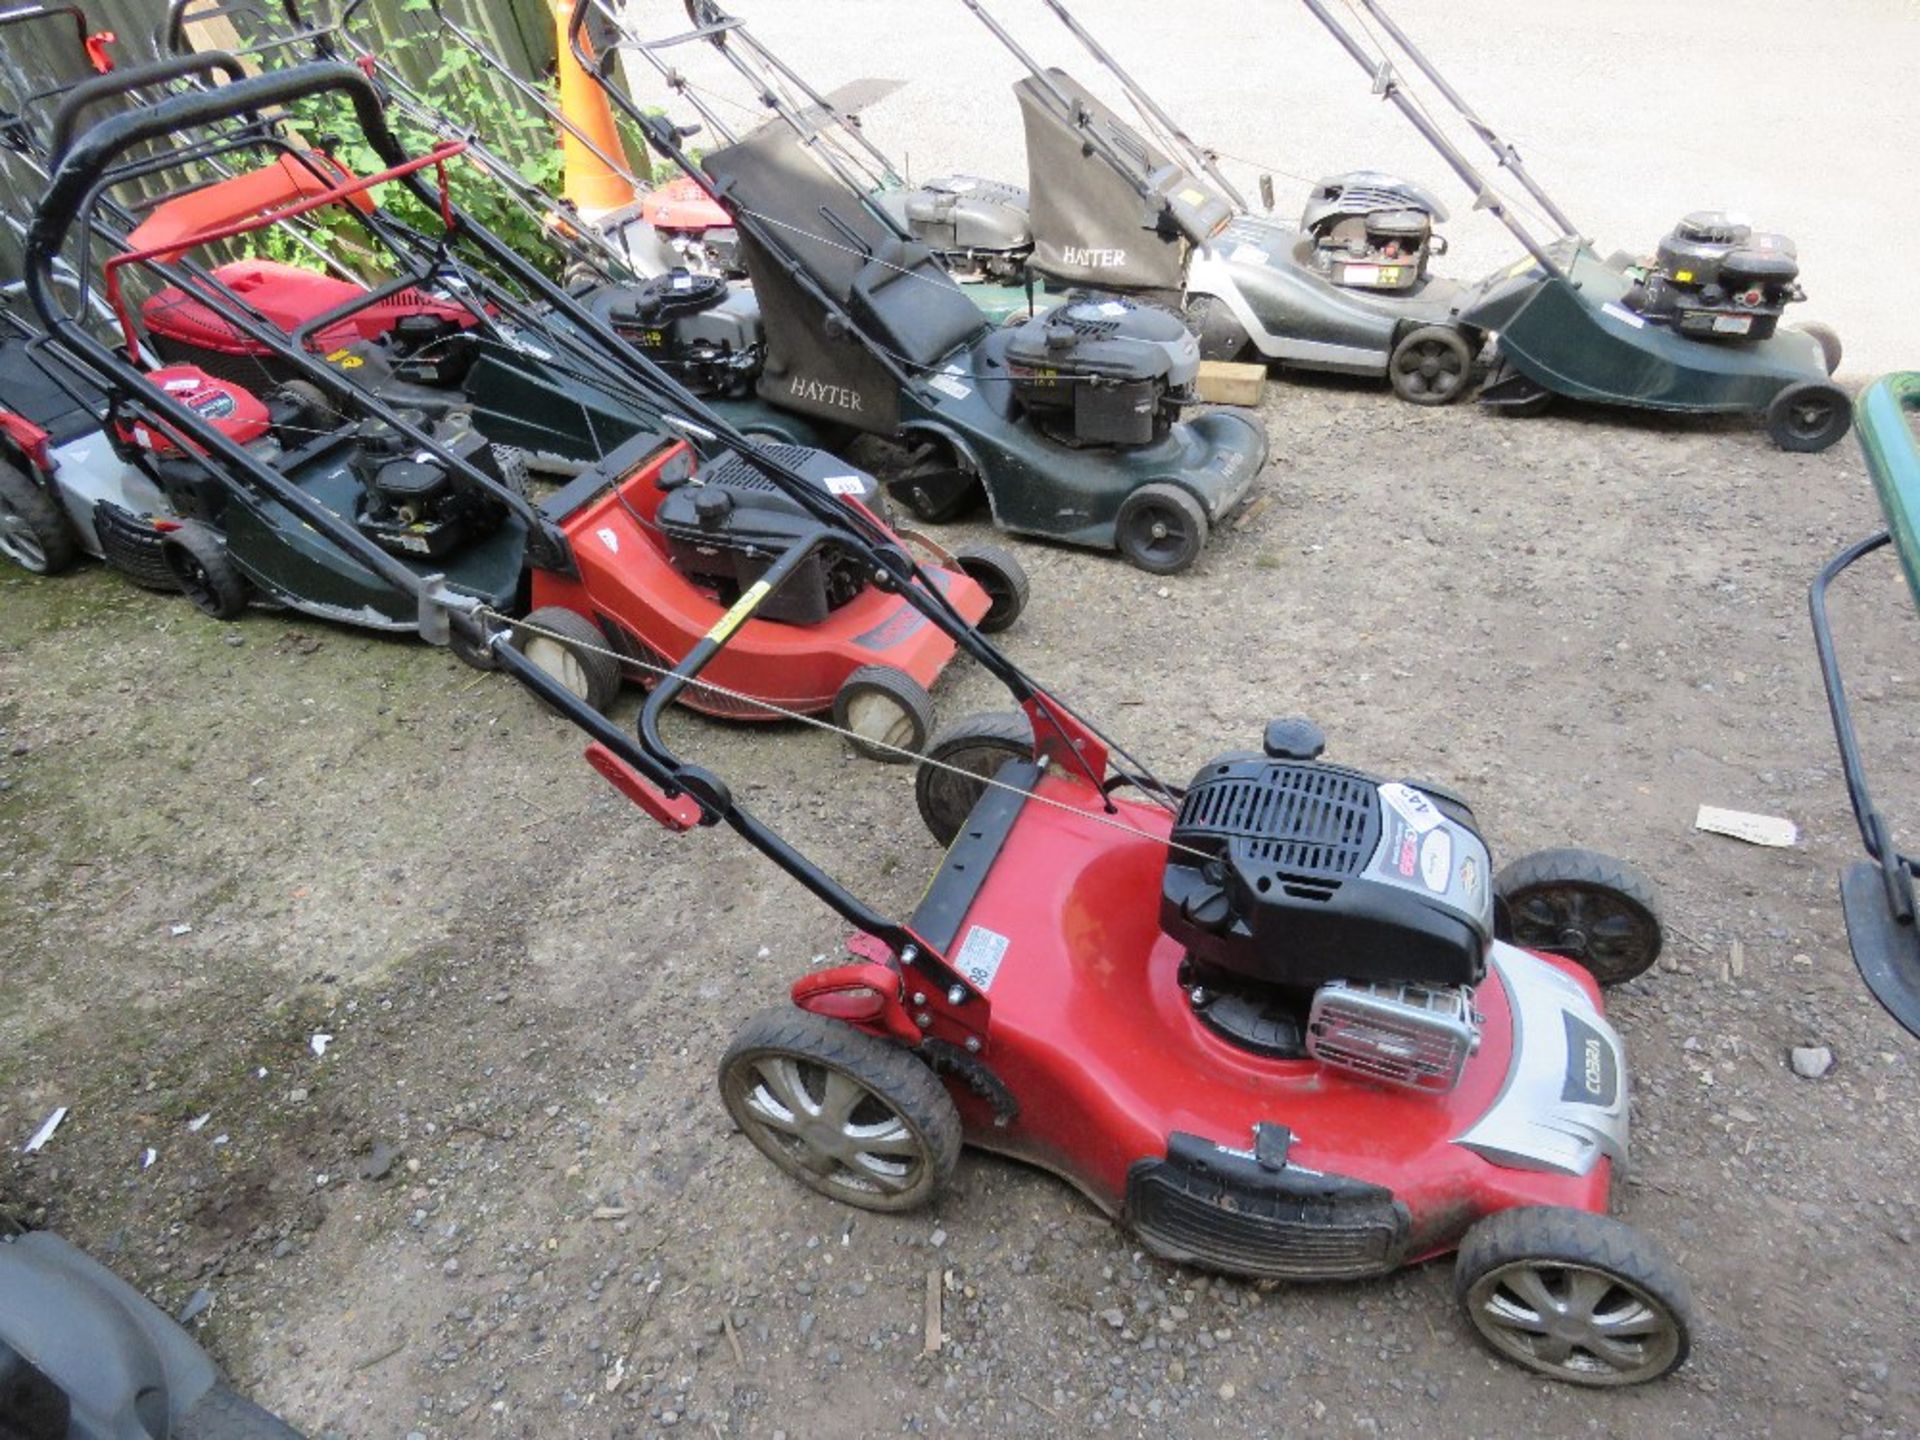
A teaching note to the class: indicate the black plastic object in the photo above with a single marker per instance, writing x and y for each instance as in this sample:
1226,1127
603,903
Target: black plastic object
84,1356
1209,1206
1103,370
1294,739
1314,872
1716,278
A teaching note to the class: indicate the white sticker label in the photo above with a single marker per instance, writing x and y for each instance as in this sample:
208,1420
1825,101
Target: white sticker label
1436,861
947,382
1413,807
1620,312
980,956
682,282
959,184
1361,274
1244,254
1732,324
1111,309
845,485
609,539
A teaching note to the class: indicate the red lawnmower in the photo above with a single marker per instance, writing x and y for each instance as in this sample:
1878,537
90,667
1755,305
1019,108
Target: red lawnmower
630,562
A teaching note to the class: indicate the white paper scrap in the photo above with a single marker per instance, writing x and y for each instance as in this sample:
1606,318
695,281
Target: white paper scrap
1754,829
45,1132
199,1123
319,1042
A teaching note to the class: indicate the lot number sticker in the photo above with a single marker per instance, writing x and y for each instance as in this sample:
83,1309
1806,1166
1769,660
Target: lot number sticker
980,956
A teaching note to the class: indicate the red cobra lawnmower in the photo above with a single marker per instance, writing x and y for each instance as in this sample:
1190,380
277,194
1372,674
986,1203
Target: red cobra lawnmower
630,562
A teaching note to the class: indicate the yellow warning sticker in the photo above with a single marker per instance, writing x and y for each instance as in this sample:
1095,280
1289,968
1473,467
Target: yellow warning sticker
742,608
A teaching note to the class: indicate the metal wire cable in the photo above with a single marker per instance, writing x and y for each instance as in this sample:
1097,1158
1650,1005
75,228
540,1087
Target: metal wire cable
914,756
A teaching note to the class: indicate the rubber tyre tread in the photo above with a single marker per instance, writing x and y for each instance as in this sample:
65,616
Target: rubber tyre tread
1581,1237
993,729
1569,863
900,687
1009,568
1446,334
1798,444
43,515
883,1066
205,545
1194,513
583,638
222,1414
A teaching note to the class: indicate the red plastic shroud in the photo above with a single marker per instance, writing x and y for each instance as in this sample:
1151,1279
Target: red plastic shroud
625,579
253,201
1087,1025
286,297
681,206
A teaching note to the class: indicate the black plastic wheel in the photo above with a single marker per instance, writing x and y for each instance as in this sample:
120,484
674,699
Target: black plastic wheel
1588,907
1221,336
471,653
1431,365
313,412
34,533
938,484
1574,1296
995,570
854,1117
1161,528
887,713
197,556
978,745
1809,416
1828,339
571,649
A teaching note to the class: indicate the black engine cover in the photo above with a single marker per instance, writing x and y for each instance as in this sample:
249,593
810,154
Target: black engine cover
727,530
1315,872
1101,370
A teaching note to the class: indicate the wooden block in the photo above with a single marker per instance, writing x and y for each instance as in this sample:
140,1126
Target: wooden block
1222,382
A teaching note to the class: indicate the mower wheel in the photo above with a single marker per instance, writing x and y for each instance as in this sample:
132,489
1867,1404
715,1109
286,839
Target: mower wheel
1583,906
978,745
515,473
996,571
1828,339
1221,336
573,651
1574,1296
1161,528
34,534
314,409
197,556
1809,416
1430,365
855,1117
888,713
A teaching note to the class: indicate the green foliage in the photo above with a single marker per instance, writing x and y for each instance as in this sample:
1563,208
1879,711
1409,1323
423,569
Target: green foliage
454,78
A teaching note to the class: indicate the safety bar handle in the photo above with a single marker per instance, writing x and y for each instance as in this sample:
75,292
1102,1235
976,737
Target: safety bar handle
115,83
27,14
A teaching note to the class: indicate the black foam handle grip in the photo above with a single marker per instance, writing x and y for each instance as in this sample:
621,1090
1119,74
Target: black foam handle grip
114,83
82,167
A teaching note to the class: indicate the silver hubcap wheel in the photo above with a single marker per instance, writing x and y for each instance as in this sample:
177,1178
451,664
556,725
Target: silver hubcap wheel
829,1126
1574,1322
559,662
17,540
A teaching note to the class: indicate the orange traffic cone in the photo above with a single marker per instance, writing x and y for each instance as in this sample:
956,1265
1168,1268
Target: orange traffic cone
593,180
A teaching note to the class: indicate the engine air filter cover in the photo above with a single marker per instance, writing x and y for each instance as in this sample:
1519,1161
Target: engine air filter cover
1315,872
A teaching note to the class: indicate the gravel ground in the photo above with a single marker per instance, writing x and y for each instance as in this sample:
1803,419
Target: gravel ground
506,1202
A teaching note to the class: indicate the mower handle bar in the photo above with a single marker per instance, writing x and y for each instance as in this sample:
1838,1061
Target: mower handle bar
86,163
173,32
1485,197
27,14
1195,151
88,93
